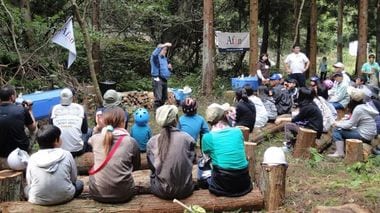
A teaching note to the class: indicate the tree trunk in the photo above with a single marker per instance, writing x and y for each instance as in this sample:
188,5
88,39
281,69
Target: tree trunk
298,15
313,38
278,39
378,31
27,17
96,54
208,66
265,38
253,37
87,42
362,34
339,48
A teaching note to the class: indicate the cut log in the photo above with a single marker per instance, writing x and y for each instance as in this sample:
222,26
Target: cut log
272,185
148,203
305,140
347,208
84,163
250,153
144,161
354,151
11,188
4,164
341,113
260,134
229,96
245,131
367,151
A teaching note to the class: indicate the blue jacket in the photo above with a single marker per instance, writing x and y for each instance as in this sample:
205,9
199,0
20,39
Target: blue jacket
159,65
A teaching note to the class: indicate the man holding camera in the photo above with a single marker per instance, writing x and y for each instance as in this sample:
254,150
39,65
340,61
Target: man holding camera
13,118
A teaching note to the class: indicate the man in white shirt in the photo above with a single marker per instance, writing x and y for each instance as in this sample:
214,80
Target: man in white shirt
296,64
71,119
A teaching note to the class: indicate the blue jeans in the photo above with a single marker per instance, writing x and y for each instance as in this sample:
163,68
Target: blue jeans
337,105
340,134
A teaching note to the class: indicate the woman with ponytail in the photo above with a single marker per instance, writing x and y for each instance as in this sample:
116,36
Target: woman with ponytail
116,155
245,110
170,157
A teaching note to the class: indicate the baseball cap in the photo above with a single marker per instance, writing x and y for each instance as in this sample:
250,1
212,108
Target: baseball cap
111,98
338,74
338,65
355,94
66,97
275,77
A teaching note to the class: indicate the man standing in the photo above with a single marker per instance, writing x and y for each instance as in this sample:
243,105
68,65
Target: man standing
296,64
160,71
71,119
13,118
371,69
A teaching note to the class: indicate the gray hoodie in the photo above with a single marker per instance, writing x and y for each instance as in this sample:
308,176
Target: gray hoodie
363,118
50,176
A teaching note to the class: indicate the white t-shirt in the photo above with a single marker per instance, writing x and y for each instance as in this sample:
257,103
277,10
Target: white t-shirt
69,120
296,62
261,112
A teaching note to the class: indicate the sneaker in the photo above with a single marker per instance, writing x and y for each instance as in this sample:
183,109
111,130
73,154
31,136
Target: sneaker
335,155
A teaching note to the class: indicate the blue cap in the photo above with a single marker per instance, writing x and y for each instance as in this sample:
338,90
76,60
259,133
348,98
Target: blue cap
275,77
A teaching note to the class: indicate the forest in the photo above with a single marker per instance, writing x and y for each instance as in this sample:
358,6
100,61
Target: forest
124,33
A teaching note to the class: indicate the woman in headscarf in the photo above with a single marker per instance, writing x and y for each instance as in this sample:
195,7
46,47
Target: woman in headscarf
170,155
225,146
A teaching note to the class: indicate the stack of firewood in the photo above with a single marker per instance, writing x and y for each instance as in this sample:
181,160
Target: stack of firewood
137,99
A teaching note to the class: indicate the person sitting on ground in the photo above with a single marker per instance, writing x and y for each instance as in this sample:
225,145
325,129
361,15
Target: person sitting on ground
327,113
111,98
191,122
339,67
261,112
111,181
281,96
245,110
140,130
309,116
225,146
51,174
170,155
266,96
13,119
71,119
361,125
319,87
338,96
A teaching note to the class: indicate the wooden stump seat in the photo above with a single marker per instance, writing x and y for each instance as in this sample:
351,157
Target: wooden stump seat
305,140
354,151
272,185
11,187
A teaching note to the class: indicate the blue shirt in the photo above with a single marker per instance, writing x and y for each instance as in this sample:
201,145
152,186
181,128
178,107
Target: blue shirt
226,148
193,125
159,65
141,134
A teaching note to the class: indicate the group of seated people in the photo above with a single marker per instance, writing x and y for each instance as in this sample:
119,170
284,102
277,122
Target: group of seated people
222,168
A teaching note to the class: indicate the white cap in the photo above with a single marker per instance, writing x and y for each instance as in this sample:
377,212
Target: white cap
274,156
18,159
338,65
66,97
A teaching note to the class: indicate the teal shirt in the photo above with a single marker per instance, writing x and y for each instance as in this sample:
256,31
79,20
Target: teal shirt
226,148
367,67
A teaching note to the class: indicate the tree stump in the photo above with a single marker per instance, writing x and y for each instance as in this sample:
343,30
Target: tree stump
245,131
250,153
354,151
367,151
84,163
3,164
144,161
341,113
272,185
11,185
305,140
229,96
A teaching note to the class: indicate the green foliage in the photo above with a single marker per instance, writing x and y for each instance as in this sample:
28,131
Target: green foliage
315,158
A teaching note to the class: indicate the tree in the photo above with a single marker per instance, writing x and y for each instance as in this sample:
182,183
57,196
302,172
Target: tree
208,66
362,35
265,22
313,38
378,30
96,24
253,37
83,26
339,46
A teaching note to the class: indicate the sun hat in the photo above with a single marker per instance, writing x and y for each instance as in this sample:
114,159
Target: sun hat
338,65
111,98
215,112
166,114
355,93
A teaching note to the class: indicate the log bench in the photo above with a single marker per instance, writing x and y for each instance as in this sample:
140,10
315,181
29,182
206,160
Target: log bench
148,203
259,134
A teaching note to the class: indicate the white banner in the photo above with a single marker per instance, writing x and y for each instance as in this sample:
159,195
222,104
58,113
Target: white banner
65,38
232,41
